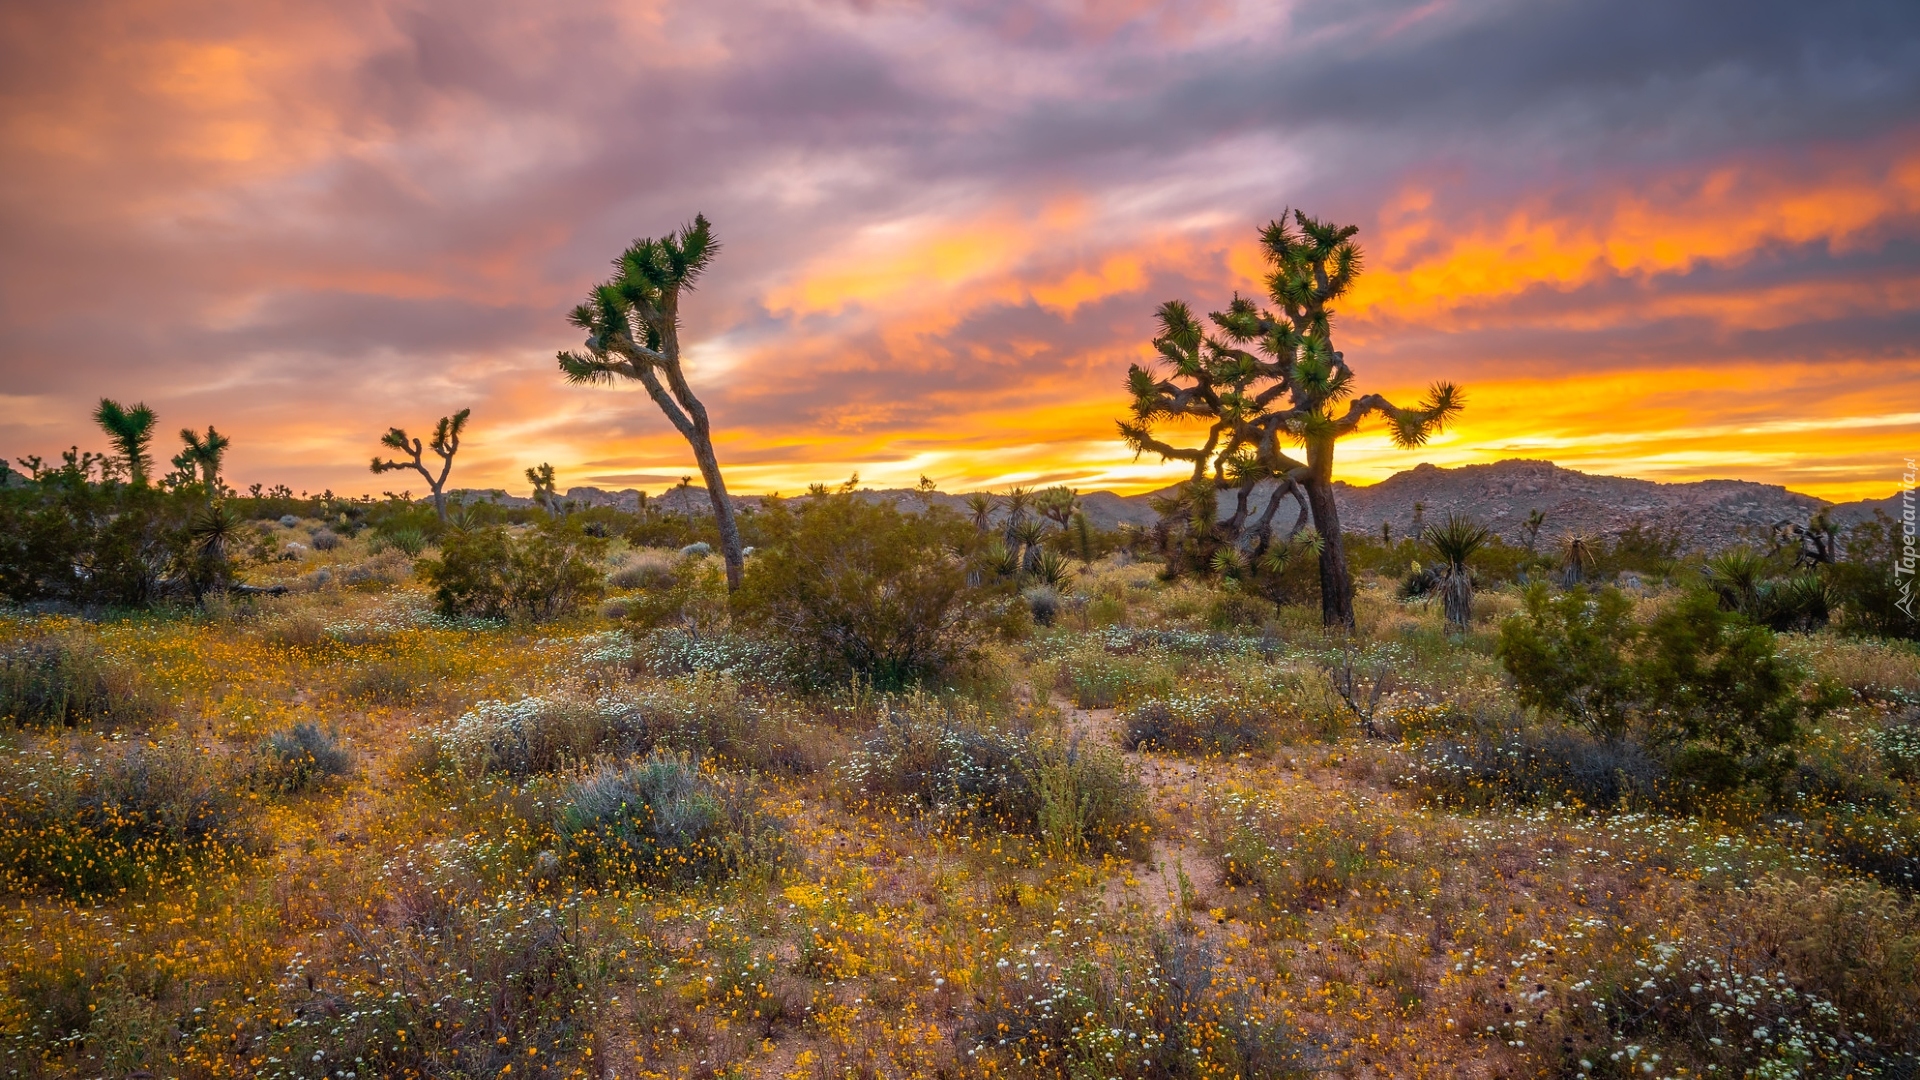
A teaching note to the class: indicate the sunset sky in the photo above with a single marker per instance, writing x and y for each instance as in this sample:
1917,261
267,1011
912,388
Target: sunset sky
1672,241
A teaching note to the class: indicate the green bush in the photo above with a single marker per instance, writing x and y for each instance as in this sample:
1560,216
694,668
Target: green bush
865,589
143,816
546,573
55,680
1698,684
662,820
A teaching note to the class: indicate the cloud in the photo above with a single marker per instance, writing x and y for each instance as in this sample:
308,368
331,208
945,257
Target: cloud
946,226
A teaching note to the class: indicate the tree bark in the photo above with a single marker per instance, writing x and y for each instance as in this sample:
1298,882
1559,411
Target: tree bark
1336,584
730,551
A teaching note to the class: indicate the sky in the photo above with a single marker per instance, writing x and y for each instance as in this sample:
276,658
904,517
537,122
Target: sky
1671,241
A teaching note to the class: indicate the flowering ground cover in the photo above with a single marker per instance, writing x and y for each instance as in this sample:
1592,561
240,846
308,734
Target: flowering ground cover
336,834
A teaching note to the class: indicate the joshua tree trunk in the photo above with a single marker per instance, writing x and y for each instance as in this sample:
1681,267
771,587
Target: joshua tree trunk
730,550
1456,596
1336,584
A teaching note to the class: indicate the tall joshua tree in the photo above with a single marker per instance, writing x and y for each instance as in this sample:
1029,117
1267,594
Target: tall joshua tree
131,432
1057,504
1256,379
445,444
633,332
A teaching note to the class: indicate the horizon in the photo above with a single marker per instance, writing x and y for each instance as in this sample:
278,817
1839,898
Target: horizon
1652,243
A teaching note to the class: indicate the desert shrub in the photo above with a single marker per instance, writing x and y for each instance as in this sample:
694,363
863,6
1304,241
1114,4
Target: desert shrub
298,758
692,598
1202,720
73,535
325,539
866,589
1163,1008
643,569
546,573
701,714
58,680
407,540
1568,656
1074,795
662,819
1043,603
1538,764
749,659
1699,684
139,816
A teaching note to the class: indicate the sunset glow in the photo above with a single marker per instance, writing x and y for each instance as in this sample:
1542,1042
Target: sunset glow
945,230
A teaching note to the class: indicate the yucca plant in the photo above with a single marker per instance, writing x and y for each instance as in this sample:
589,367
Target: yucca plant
1577,559
980,508
1737,577
1454,543
1052,569
1028,535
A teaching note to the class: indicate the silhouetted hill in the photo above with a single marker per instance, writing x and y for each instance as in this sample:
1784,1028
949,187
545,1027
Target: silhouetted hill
1706,514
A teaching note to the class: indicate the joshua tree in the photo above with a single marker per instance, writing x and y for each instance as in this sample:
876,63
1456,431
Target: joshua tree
1257,378
446,443
633,331
1535,519
203,454
131,432
924,491
543,488
1057,504
980,507
1453,544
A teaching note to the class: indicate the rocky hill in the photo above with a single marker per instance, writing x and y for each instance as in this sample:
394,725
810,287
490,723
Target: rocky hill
1706,514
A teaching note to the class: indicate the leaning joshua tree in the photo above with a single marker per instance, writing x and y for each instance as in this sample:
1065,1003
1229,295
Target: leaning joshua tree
446,443
1256,379
633,332
131,432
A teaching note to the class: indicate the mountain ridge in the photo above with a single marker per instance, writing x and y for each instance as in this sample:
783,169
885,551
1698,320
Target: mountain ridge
1704,514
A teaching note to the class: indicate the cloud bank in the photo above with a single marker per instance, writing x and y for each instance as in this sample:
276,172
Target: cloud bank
1671,241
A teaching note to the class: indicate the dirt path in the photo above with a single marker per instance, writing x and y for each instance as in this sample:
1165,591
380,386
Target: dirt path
1178,879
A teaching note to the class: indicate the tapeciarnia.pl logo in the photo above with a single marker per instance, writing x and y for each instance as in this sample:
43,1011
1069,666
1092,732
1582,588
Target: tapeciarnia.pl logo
1903,566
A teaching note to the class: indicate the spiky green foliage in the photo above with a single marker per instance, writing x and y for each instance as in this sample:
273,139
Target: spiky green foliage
1454,543
1057,504
131,432
632,322
1262,382
203,455
445,444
